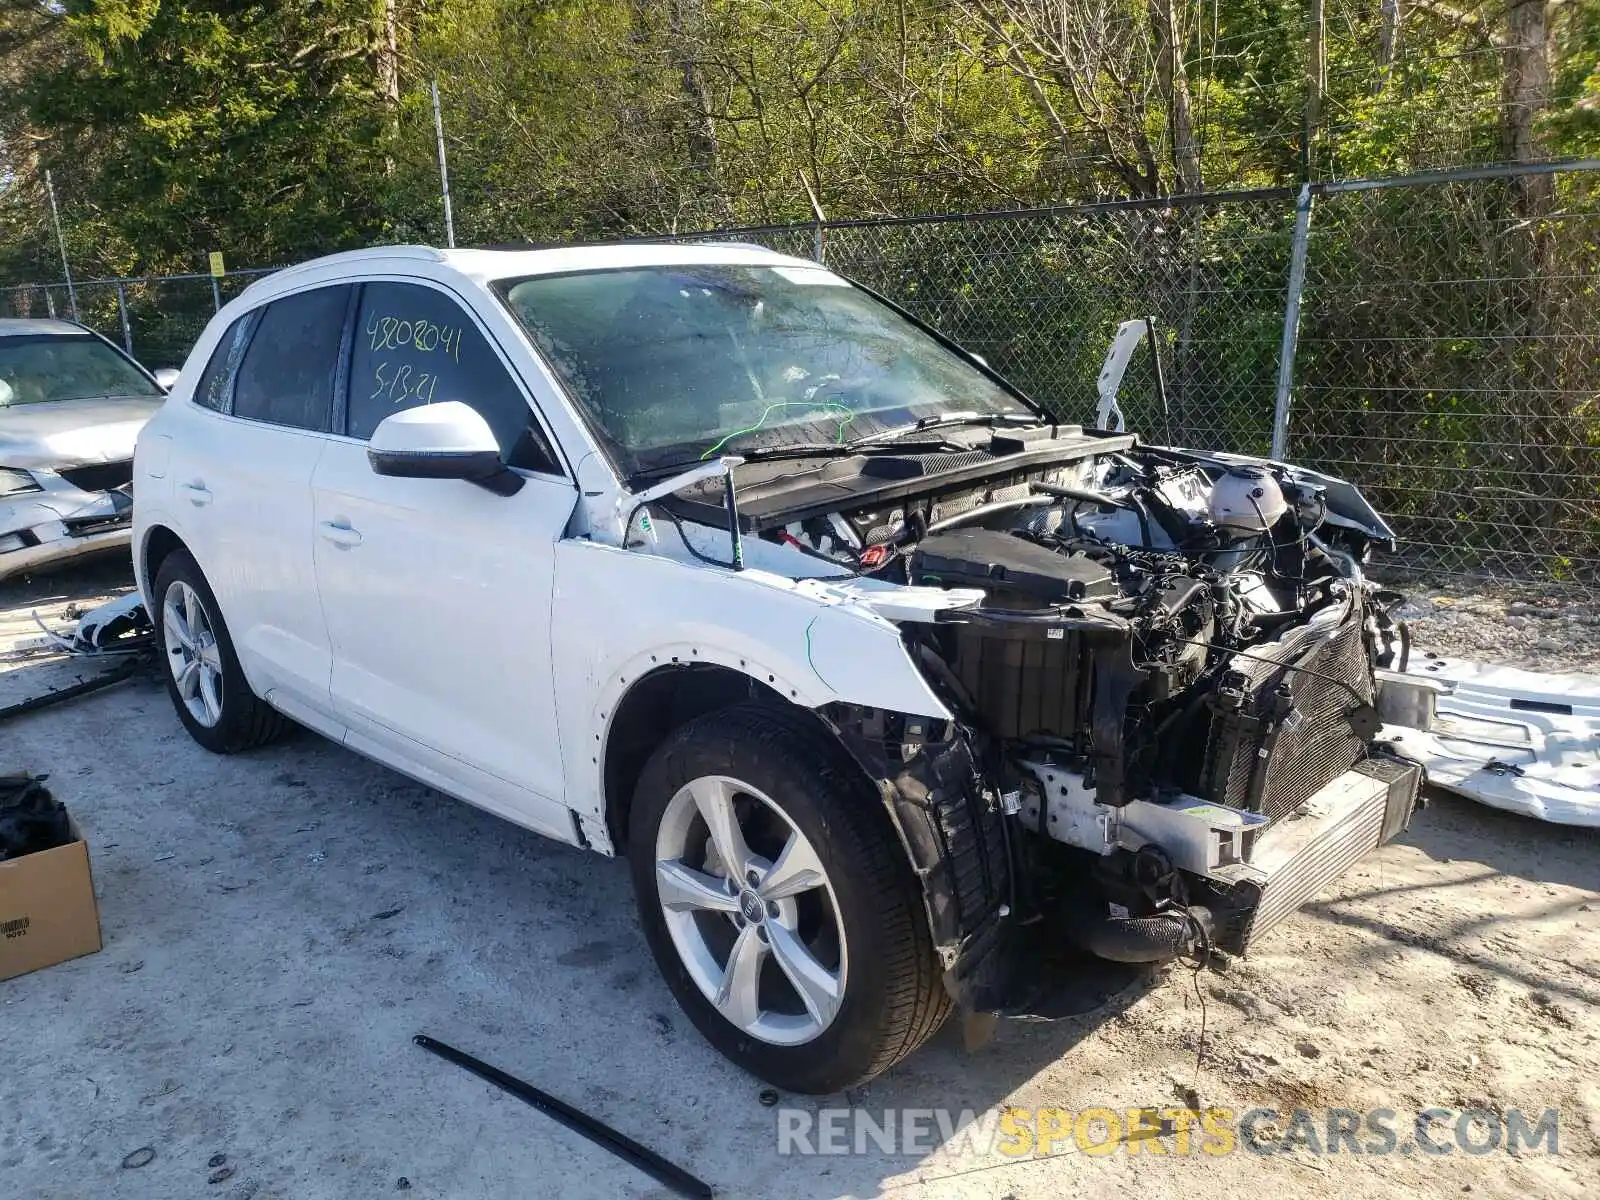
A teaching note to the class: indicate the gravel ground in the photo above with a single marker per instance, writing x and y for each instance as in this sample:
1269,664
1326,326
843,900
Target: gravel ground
278,924
1535,631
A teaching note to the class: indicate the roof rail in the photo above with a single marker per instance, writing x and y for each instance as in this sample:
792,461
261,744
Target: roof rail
424,253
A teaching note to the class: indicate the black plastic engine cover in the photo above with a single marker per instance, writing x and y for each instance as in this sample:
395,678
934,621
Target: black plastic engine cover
1002,562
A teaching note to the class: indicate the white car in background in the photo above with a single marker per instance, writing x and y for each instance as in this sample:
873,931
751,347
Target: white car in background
71,405
707,556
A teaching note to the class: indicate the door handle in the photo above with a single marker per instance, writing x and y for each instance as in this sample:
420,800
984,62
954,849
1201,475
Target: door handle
339,534
197,492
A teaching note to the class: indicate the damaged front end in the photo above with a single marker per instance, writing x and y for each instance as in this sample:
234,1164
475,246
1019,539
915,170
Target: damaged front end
1166,732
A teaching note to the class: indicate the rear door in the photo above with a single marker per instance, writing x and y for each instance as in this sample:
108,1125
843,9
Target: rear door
241,480
438,592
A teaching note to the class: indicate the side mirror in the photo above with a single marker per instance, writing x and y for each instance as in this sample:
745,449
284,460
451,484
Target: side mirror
441,441
165,377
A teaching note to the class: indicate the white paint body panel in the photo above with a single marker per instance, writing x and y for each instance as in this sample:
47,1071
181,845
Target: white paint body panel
242,491
1548,763
439,621
476,642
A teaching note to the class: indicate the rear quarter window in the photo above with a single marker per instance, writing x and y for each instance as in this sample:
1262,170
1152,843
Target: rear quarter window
215,389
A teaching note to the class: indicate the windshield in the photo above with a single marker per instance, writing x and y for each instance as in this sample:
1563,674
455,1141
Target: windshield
674,364
47,367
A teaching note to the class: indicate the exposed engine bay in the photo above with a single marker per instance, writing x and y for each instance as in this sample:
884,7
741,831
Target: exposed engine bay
1170,681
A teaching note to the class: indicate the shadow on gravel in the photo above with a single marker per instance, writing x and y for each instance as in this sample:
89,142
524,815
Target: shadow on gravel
1454,830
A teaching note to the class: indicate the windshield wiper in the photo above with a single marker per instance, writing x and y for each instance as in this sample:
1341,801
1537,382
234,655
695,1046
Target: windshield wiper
795,450
944,420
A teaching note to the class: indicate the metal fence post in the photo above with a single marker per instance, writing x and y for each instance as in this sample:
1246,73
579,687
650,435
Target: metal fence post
444,170
122,312
216,295
1291,322
61,242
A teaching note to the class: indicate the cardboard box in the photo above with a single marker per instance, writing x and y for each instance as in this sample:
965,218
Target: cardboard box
47,908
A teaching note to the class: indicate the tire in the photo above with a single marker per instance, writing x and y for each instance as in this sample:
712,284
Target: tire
878,996
217,707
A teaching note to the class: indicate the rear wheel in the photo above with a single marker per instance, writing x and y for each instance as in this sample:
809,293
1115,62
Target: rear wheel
204,679
778,902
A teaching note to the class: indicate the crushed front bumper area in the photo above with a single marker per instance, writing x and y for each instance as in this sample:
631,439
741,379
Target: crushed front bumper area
1225,877
1170,878
47,528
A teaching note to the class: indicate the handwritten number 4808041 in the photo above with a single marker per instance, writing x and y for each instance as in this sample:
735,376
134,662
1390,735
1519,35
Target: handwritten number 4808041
403,385
392,333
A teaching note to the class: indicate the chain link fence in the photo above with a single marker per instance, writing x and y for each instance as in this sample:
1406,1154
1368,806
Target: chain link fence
1433,339
1437,343
156,318
1449,364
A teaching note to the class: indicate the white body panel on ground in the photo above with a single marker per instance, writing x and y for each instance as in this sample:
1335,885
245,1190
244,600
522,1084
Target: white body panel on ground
1519,740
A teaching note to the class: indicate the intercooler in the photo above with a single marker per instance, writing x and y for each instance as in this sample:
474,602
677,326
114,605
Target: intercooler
1351,815
1279,734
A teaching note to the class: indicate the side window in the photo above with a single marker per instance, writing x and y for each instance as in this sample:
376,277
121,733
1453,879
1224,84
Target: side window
413,346
216,381
287,374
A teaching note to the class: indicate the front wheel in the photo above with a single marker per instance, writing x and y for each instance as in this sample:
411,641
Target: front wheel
779,904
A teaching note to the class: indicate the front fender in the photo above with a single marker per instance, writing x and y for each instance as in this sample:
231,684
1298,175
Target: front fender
618,614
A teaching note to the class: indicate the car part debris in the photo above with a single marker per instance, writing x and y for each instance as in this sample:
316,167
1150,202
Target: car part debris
120,626
1517,740
601,1134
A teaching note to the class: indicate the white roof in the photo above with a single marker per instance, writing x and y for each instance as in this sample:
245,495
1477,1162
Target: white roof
486,265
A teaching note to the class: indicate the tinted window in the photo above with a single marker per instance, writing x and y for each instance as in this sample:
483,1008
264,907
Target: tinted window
216,383
414,346
288,372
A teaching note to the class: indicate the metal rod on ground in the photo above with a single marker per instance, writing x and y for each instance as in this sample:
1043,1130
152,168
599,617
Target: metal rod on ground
55,219
625,1148
1291,322
61,695
444,170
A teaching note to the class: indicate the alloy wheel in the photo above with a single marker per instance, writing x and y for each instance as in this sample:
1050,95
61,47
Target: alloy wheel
750,910
193,656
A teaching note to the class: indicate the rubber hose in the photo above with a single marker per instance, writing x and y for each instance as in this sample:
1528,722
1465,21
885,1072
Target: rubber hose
1140,939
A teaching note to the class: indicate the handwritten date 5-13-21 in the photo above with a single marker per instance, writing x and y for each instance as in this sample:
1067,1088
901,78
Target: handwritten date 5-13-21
399,383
